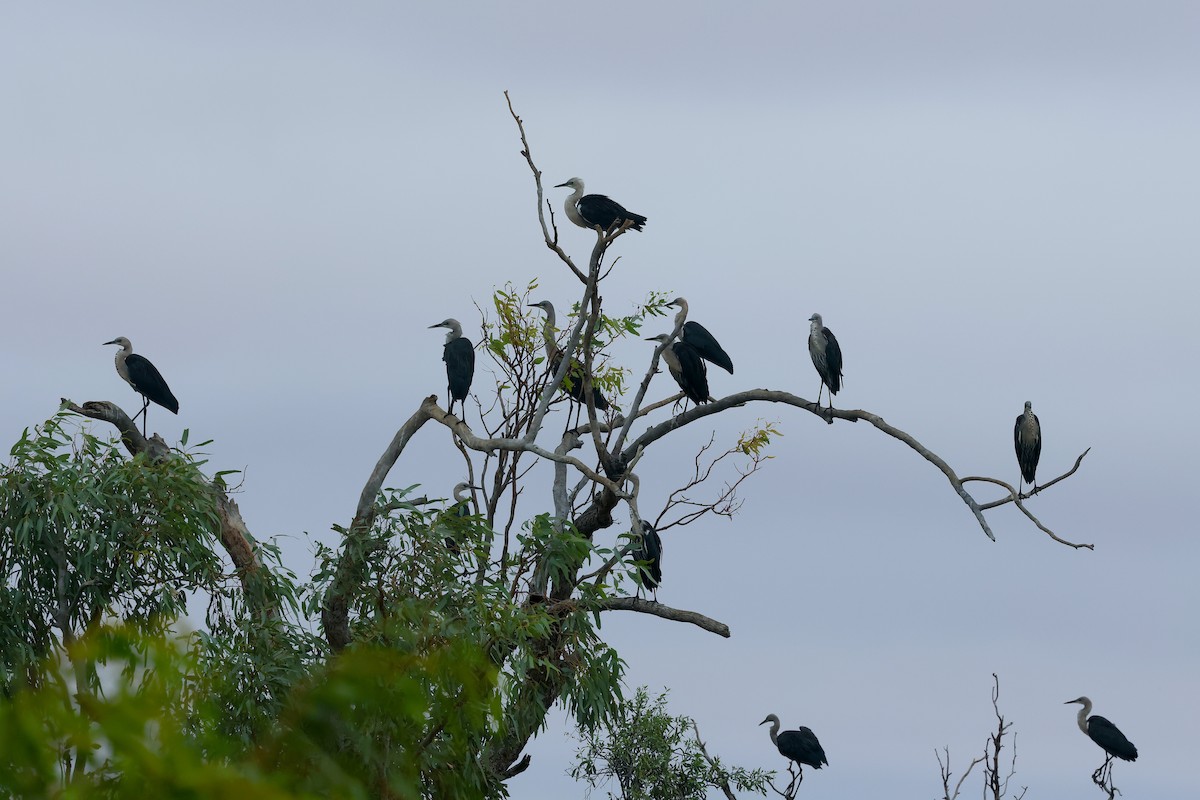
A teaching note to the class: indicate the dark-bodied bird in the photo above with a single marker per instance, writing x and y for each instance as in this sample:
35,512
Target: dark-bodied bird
698,337
800,745
649,549
459,355
826,357
572,382
145,379
460,510
687,368
1103,732
1027,438
597,211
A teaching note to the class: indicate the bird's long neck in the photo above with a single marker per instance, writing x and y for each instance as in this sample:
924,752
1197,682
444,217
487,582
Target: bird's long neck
119,358
571,207
681,316
775,732
1083,715
548,333
455,333
671,359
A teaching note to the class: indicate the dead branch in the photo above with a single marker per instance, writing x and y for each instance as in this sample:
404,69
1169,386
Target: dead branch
666,612
1012,493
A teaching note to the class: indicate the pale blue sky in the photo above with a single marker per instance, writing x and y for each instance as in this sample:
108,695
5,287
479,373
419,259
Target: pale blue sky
989,203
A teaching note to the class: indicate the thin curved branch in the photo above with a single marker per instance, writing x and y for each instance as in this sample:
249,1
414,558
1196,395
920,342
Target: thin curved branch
829,415
551,240
666,612
1031,493
1012,493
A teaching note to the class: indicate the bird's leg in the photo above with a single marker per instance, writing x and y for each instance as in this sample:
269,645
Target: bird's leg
1102,777
142,414
820,388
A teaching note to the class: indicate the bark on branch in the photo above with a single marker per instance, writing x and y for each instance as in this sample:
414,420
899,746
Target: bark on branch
234,535
666,612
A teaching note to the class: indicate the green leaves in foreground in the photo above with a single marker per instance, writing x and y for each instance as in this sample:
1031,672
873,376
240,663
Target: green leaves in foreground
366,725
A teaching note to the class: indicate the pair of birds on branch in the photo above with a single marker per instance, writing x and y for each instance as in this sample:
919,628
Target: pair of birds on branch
801,745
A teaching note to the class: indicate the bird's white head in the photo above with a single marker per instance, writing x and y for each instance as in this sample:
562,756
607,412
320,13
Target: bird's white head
544,305
461,489
122,341
454,326
770,718
817,322
662,338
1029,410
679,302
573,183
1081,700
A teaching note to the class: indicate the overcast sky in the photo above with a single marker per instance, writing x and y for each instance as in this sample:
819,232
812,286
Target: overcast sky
988,202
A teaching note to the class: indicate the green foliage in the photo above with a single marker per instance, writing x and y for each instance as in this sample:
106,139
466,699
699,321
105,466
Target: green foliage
364,726
653,755
89,534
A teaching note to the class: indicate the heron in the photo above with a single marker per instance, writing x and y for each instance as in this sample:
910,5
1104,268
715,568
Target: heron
597,211
1027,439
697,336
459,355
826,357
1101,731
145,379
800,745
687,368
649,550
573,381
461,510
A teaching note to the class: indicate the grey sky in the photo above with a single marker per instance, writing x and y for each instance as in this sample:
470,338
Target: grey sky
989,203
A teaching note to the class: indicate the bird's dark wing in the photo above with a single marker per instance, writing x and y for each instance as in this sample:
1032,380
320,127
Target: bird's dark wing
573,383
597,209
1105,734
833,360
149,383
649,551
802,747
1029,448
459,356
693,376
706,345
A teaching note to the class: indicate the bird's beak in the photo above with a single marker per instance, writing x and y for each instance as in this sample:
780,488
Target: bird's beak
560,185
436,326
114,341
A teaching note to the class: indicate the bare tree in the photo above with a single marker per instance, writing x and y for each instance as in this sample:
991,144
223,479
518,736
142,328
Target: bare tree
995,778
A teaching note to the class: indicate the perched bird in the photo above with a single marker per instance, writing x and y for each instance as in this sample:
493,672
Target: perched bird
460,510
459,355
597,211
687,368
145,379
1101,731
799,745
649,549
572,382
1027,439
698,337
826,357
